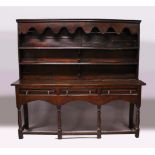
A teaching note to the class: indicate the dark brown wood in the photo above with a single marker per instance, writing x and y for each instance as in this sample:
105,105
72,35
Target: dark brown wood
137,120
27,132
63,60
59,122
131,115
98,121
78,132
20,129
119,132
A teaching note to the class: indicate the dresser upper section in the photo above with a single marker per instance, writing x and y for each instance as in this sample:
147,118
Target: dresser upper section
79,33
83,49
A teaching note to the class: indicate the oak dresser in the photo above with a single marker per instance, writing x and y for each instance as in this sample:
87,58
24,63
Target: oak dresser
93,60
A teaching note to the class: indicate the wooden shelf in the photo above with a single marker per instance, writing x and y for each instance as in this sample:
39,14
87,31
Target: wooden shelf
90,61
80,63
48,48
80,82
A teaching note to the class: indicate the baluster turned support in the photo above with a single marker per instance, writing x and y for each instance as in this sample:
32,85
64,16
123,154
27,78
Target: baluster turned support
98,121
131,115
137,120
20,134
26,116
59,121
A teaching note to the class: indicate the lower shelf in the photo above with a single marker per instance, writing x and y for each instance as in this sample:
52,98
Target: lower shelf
132,131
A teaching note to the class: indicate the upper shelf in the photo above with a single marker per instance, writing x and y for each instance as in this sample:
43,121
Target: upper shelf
82,63
102,48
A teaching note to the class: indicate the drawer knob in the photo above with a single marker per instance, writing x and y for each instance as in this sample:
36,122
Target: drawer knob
67,92
26,92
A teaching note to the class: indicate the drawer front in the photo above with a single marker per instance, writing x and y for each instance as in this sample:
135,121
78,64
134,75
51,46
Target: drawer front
78,91
119,92
37,91
82,91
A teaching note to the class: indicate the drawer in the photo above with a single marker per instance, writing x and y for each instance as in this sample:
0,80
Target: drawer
119,92
78,91
37,91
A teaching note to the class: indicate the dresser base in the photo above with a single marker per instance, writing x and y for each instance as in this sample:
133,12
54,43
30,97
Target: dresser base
95,92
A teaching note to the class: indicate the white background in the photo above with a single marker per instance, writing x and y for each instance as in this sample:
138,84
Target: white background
9,73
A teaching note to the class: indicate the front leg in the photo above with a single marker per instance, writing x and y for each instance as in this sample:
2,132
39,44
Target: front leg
137,120
59,121
20,133
98,121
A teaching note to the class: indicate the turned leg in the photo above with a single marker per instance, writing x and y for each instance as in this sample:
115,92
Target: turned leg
26,117
59,121
131,115
98,121
137,120
20,134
